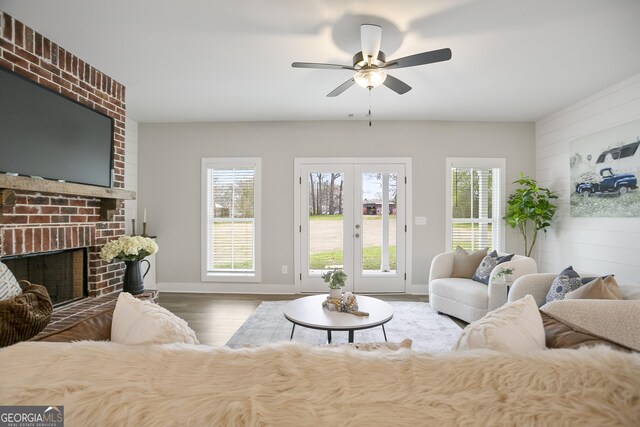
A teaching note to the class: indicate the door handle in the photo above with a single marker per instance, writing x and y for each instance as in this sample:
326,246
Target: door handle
357,234
357,226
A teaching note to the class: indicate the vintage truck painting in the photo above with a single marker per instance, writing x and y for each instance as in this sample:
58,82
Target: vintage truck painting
604,170
608,182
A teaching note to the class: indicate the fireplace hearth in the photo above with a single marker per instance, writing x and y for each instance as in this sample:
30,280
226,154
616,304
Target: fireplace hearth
63,273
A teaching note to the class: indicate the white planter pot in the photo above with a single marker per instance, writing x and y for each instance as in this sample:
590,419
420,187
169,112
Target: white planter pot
335,293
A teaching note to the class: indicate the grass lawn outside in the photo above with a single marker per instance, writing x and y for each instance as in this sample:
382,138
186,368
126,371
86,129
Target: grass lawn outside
243,250
461,235
370,262
340,217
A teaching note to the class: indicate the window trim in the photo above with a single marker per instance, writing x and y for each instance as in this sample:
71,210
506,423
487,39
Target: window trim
475,162
207,163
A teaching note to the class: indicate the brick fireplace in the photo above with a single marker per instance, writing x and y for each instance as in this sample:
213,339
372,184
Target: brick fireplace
62,273
52,217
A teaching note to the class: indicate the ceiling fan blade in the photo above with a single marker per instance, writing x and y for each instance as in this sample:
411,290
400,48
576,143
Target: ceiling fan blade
396,85
321,66
370,37
344,86
420,59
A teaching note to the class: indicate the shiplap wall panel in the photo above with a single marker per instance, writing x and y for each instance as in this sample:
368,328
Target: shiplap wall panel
597,245
591,264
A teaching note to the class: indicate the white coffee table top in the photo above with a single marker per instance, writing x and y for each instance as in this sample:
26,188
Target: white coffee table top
308,311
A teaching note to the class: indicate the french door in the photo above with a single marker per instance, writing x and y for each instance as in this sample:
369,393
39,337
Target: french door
352,217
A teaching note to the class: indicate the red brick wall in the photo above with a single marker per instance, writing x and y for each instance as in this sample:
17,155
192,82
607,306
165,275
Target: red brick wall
41,222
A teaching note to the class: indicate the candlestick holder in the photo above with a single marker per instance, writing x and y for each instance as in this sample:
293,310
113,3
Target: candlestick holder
133,227
144,229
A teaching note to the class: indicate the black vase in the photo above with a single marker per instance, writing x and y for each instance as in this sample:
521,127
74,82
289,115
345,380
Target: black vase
133,277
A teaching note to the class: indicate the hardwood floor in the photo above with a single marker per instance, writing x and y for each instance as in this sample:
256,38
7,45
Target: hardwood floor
216,317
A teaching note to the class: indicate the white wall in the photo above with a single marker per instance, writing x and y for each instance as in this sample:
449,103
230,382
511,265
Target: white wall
598,245
169,181
131,172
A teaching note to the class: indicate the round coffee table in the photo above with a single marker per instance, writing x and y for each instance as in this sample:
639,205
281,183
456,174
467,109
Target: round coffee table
308,312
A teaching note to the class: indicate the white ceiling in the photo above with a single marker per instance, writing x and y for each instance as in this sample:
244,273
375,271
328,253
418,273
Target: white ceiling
189,60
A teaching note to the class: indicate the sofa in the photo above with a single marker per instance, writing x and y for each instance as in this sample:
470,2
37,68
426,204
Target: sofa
107,383
578,322
538,285
110,384
465,298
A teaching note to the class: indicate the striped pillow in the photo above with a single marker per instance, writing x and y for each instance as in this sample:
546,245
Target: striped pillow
9,286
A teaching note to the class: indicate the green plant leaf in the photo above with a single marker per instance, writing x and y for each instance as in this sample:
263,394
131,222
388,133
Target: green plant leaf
530,203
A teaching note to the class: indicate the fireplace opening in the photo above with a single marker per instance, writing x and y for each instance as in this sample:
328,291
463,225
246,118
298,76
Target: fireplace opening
63,273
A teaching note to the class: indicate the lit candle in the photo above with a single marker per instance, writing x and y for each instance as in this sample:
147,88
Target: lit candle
144,218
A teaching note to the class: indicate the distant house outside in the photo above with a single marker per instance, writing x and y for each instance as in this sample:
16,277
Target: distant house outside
374,207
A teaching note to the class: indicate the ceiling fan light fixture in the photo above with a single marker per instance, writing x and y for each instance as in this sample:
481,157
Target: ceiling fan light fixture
370,77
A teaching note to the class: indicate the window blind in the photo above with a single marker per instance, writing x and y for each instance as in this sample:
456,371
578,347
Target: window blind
231,219
475,208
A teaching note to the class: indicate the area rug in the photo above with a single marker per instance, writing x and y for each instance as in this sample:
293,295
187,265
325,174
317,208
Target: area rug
416,320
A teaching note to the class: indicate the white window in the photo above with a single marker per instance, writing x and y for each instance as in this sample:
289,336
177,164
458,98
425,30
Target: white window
475,198
231,219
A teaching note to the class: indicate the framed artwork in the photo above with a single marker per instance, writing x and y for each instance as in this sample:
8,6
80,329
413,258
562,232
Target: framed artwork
605,167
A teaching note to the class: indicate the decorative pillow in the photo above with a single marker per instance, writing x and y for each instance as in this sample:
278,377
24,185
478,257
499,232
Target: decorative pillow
465,263
9,286
598,288
515,327
568,280
137,321
483,273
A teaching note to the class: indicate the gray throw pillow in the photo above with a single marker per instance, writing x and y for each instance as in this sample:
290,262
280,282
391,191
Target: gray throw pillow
483,273
568,280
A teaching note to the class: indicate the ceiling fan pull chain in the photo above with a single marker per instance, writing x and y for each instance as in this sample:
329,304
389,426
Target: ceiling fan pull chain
369,106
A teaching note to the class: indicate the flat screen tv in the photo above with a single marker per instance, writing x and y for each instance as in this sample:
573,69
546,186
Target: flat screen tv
44,134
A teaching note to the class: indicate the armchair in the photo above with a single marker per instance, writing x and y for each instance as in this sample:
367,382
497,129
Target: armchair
467,299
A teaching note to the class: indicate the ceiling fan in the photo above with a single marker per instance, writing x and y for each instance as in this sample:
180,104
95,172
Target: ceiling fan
370,64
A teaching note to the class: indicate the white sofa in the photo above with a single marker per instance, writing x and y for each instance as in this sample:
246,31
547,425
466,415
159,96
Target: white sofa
613,320
538,286
467,299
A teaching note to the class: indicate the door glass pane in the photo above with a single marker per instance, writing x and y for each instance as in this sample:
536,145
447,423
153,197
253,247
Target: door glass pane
378,222
326,228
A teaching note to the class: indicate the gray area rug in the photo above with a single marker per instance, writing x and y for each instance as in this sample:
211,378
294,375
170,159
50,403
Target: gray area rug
416,320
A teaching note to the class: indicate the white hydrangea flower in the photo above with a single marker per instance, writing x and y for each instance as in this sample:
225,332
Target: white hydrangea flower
128,248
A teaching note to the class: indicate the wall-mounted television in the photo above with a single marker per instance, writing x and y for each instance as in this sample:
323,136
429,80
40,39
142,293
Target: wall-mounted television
47,135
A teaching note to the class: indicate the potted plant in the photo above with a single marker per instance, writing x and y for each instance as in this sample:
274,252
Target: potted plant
335,279
505,273
530,210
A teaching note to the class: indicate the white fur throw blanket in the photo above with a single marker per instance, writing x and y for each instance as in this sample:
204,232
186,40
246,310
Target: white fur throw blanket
290,384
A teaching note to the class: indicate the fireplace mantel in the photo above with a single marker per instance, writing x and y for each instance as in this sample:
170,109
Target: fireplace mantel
66,188
109,197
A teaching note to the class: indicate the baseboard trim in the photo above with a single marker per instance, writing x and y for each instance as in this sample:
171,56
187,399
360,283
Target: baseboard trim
225,288
418,289
251,288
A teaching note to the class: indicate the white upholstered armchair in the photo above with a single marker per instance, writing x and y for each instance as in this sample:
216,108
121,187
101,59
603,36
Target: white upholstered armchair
467,299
